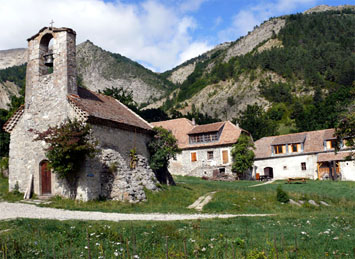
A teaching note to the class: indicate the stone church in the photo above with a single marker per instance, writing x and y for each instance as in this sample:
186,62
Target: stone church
52,95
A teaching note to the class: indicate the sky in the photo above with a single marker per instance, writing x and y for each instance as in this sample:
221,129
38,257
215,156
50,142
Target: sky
159,34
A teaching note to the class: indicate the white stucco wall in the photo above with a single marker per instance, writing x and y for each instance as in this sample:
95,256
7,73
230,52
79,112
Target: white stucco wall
347,169
285,167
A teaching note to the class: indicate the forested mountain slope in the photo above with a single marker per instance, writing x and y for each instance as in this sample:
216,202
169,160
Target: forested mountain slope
299,78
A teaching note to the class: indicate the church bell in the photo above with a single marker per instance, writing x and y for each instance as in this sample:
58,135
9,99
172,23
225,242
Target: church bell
48,59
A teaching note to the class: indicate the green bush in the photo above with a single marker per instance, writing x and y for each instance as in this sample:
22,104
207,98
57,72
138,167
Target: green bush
281,195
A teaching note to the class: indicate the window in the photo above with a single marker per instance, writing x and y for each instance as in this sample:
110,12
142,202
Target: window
193,157
331,144
280,149
303,166
205,137
285,167
294,148
209,155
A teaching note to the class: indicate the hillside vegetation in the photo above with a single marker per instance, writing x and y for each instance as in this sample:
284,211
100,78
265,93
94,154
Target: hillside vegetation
306,82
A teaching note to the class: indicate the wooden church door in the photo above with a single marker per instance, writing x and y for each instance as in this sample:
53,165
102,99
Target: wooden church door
46,178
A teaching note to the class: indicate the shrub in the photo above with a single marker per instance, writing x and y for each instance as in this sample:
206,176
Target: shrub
68,146
281,195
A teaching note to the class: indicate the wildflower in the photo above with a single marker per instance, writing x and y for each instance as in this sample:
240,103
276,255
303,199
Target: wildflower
303,233
192,240
86,247
210,245
308,222
335,238
97,244
116,253
118,243
213,239
72,227
136,257
92,234
203,249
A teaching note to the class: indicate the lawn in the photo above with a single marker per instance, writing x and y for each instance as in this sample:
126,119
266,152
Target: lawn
294,232
231,197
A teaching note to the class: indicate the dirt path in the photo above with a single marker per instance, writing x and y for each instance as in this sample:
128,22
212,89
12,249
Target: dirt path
21,210
202,201
268,182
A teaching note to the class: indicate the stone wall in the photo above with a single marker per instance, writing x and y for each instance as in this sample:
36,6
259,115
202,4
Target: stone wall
45,105
120,182
202,167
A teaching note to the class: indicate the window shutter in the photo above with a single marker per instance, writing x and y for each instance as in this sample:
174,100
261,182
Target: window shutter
193,157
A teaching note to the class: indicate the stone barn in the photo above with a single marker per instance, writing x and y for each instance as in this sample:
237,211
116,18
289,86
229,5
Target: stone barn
52,95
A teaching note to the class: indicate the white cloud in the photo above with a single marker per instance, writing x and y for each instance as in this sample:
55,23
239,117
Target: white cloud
191,5
246,19
194,50
153,33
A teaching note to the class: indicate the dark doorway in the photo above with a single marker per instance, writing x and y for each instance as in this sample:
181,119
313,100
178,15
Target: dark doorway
269,172
45,178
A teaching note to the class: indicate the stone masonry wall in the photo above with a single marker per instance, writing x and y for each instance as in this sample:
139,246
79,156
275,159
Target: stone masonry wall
45,105
202,167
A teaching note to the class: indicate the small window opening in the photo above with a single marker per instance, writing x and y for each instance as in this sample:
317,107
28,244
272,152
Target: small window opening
209,155
303,166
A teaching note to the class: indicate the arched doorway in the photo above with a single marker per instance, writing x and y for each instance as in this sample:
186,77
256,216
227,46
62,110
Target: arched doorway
269,171
45,173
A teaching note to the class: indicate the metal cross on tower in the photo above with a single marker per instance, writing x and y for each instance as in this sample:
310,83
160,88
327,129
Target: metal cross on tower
51,23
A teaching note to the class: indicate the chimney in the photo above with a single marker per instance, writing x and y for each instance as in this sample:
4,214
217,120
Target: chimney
193,121
237,124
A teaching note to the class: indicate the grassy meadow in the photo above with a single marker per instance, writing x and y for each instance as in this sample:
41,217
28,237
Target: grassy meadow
293,232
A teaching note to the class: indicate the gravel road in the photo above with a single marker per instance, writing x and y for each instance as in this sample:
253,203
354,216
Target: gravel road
21,210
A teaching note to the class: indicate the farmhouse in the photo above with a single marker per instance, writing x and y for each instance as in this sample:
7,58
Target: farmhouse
306,154
206,149
52,96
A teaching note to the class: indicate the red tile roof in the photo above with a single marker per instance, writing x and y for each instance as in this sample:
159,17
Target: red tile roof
182,127
331,156
289,139
12,121
179,128
105,109
212,127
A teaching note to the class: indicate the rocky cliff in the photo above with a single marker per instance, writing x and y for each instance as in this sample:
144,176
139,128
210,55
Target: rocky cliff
98,69
12,57
101,69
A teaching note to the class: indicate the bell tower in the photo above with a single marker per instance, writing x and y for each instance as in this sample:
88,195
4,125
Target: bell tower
51,69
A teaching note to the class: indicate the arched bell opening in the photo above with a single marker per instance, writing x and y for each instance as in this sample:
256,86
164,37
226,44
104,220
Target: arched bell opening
46,54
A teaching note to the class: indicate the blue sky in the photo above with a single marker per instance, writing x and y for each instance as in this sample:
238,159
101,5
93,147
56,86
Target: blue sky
159,34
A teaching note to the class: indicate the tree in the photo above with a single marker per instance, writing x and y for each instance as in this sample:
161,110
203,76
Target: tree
243,154
255,120
345,130
68,145
162,148
124,96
